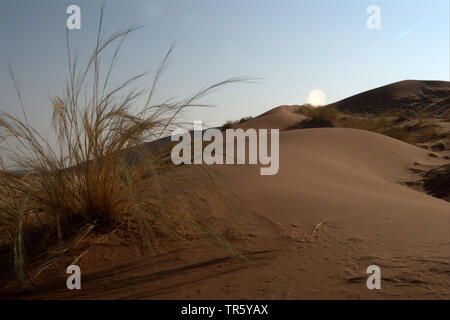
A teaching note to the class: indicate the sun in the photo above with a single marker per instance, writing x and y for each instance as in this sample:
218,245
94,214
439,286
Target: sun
316,98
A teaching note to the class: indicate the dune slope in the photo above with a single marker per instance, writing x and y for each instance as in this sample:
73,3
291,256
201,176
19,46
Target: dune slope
282,117
337,205
408,95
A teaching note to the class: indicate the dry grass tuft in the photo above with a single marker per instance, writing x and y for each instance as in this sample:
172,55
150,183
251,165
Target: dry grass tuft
231,124
417,130
86,181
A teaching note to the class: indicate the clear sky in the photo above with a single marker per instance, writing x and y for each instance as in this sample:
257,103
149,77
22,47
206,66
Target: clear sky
294,47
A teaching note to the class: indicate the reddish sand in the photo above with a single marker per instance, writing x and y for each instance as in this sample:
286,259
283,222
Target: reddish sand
282,117
337,205
343,183
407,94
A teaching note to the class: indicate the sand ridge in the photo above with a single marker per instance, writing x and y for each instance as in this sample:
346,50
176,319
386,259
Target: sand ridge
406,94
339,203
336,206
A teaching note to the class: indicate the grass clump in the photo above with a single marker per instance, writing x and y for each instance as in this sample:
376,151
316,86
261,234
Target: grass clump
324,115
399,125
416,133
86,181
318,116
231,124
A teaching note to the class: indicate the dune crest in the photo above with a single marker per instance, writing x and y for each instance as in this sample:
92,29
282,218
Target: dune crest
412,95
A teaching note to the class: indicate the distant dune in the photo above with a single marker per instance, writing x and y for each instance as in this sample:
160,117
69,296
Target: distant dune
412,96
409,95
282,117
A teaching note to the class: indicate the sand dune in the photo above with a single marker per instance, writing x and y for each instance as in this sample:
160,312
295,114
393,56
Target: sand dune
282,117
337,205
407,94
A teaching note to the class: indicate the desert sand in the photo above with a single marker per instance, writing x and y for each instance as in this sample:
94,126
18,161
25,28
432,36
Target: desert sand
339,203
426,95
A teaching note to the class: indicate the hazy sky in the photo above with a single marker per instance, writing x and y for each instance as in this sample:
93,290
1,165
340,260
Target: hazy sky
293,46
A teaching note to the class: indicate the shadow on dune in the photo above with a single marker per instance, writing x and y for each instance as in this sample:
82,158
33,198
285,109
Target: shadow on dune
139,280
